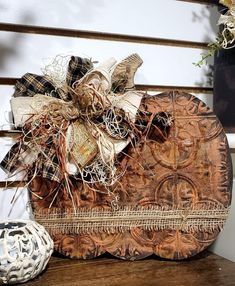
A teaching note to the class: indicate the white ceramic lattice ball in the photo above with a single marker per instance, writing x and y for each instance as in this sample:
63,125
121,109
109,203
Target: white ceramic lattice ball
25,249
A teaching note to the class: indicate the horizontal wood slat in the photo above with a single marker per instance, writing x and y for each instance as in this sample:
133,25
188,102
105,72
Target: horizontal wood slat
210,2
10,133
19,28
141,87
12,184
192,89
8,80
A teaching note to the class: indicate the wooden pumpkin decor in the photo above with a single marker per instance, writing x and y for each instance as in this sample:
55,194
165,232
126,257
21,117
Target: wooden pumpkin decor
115,170
174,197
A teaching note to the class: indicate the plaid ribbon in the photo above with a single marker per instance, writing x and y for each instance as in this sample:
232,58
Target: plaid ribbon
12,160
31,84
77,68
47,161
49,165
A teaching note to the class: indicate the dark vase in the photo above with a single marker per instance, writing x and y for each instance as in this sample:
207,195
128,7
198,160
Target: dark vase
224,88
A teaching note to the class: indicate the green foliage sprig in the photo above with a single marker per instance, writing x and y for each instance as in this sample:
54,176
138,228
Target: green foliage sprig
212,49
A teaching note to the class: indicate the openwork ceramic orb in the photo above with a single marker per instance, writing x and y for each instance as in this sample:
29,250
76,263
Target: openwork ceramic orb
25,249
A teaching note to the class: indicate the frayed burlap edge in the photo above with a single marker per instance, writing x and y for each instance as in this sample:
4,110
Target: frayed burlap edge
126,218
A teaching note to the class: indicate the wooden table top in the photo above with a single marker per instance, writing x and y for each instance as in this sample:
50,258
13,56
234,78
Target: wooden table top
205,269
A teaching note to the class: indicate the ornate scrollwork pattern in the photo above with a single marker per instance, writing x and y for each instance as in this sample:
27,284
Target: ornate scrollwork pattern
188,173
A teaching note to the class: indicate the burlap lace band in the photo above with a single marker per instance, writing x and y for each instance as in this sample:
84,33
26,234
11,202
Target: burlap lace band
153,218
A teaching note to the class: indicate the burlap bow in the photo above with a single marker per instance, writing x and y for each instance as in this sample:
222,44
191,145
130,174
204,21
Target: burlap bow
66,130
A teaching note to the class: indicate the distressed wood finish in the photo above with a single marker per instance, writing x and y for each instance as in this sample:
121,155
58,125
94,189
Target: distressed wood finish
190,170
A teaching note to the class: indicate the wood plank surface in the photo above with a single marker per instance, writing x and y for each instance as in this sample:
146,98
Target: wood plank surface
206,269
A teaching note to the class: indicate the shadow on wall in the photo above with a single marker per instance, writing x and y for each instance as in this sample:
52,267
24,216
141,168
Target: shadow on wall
82,10
74,13
10,48
212,15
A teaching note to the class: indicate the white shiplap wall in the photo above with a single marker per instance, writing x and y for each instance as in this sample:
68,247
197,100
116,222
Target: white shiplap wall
21,53
157,18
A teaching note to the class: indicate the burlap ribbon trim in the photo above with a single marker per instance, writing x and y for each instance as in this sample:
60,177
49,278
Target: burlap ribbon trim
154,218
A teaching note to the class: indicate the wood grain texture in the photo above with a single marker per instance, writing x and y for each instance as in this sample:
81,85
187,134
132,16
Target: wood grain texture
188,171
40,30
207,270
